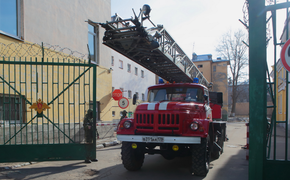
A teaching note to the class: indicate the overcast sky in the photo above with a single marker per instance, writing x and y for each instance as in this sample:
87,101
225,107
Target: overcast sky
196,25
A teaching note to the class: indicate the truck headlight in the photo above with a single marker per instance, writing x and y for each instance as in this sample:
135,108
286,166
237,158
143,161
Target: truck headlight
127,124
194,126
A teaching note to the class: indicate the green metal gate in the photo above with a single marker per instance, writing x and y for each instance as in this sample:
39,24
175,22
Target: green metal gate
43,106
269,144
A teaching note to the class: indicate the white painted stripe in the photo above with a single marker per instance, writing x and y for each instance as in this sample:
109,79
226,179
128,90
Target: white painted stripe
163,106
151,106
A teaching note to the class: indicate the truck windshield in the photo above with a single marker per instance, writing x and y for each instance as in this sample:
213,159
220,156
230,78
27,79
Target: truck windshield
176,94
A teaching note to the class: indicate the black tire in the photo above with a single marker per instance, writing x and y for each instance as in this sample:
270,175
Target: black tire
215,154
200,158
222,140
132,158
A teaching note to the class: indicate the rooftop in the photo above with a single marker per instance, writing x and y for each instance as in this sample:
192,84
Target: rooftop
206,57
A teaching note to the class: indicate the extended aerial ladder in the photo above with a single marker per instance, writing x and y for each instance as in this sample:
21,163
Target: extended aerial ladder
153,48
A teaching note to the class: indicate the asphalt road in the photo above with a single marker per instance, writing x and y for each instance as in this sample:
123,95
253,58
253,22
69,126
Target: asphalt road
232,164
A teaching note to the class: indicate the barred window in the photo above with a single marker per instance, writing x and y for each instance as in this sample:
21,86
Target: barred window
12,109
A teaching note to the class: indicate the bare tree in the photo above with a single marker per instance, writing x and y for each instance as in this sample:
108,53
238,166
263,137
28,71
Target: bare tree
233,48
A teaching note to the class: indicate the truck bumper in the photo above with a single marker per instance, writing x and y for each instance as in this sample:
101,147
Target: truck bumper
159,139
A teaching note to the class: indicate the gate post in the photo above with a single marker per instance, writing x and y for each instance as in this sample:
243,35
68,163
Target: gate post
94,108
258,95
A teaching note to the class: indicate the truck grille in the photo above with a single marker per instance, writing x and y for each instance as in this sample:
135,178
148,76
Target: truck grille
157,122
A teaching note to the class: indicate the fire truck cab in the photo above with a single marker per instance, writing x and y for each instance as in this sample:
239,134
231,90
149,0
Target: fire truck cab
176,121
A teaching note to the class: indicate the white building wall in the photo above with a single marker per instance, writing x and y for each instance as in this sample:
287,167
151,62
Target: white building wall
63,23
121,78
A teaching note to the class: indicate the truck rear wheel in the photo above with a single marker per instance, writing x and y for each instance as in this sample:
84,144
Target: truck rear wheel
200,156
132,158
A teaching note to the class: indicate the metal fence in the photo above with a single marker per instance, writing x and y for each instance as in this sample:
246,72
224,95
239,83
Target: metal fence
45,105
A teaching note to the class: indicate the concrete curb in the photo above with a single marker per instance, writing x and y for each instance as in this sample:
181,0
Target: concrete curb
17,165
108,144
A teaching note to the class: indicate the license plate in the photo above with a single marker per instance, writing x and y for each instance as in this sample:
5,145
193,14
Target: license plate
153,139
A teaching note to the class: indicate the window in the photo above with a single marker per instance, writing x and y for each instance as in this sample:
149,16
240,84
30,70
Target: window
280,104
176,94
120,64
137,95
136,71
143,97
214,68
113,113
10,18
97,108
199,66
129,94
12,109
122,89
129,68
92,42
112,61
142,74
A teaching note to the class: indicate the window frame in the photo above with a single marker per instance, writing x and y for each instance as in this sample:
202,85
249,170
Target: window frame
121,64
19,22
20,109
112,60
137,95
129,68
129,94
95,43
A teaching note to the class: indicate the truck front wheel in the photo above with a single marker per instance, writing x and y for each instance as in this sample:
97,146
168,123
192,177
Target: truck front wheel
200,156
132,158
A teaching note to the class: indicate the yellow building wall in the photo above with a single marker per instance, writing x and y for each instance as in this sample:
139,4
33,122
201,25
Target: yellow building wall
281,95
104,93
220,82
205,69
218,76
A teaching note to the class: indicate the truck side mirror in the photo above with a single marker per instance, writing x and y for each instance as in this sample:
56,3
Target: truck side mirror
134,99
205,97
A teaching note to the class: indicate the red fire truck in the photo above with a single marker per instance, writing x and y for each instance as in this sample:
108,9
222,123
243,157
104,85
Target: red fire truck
179,119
